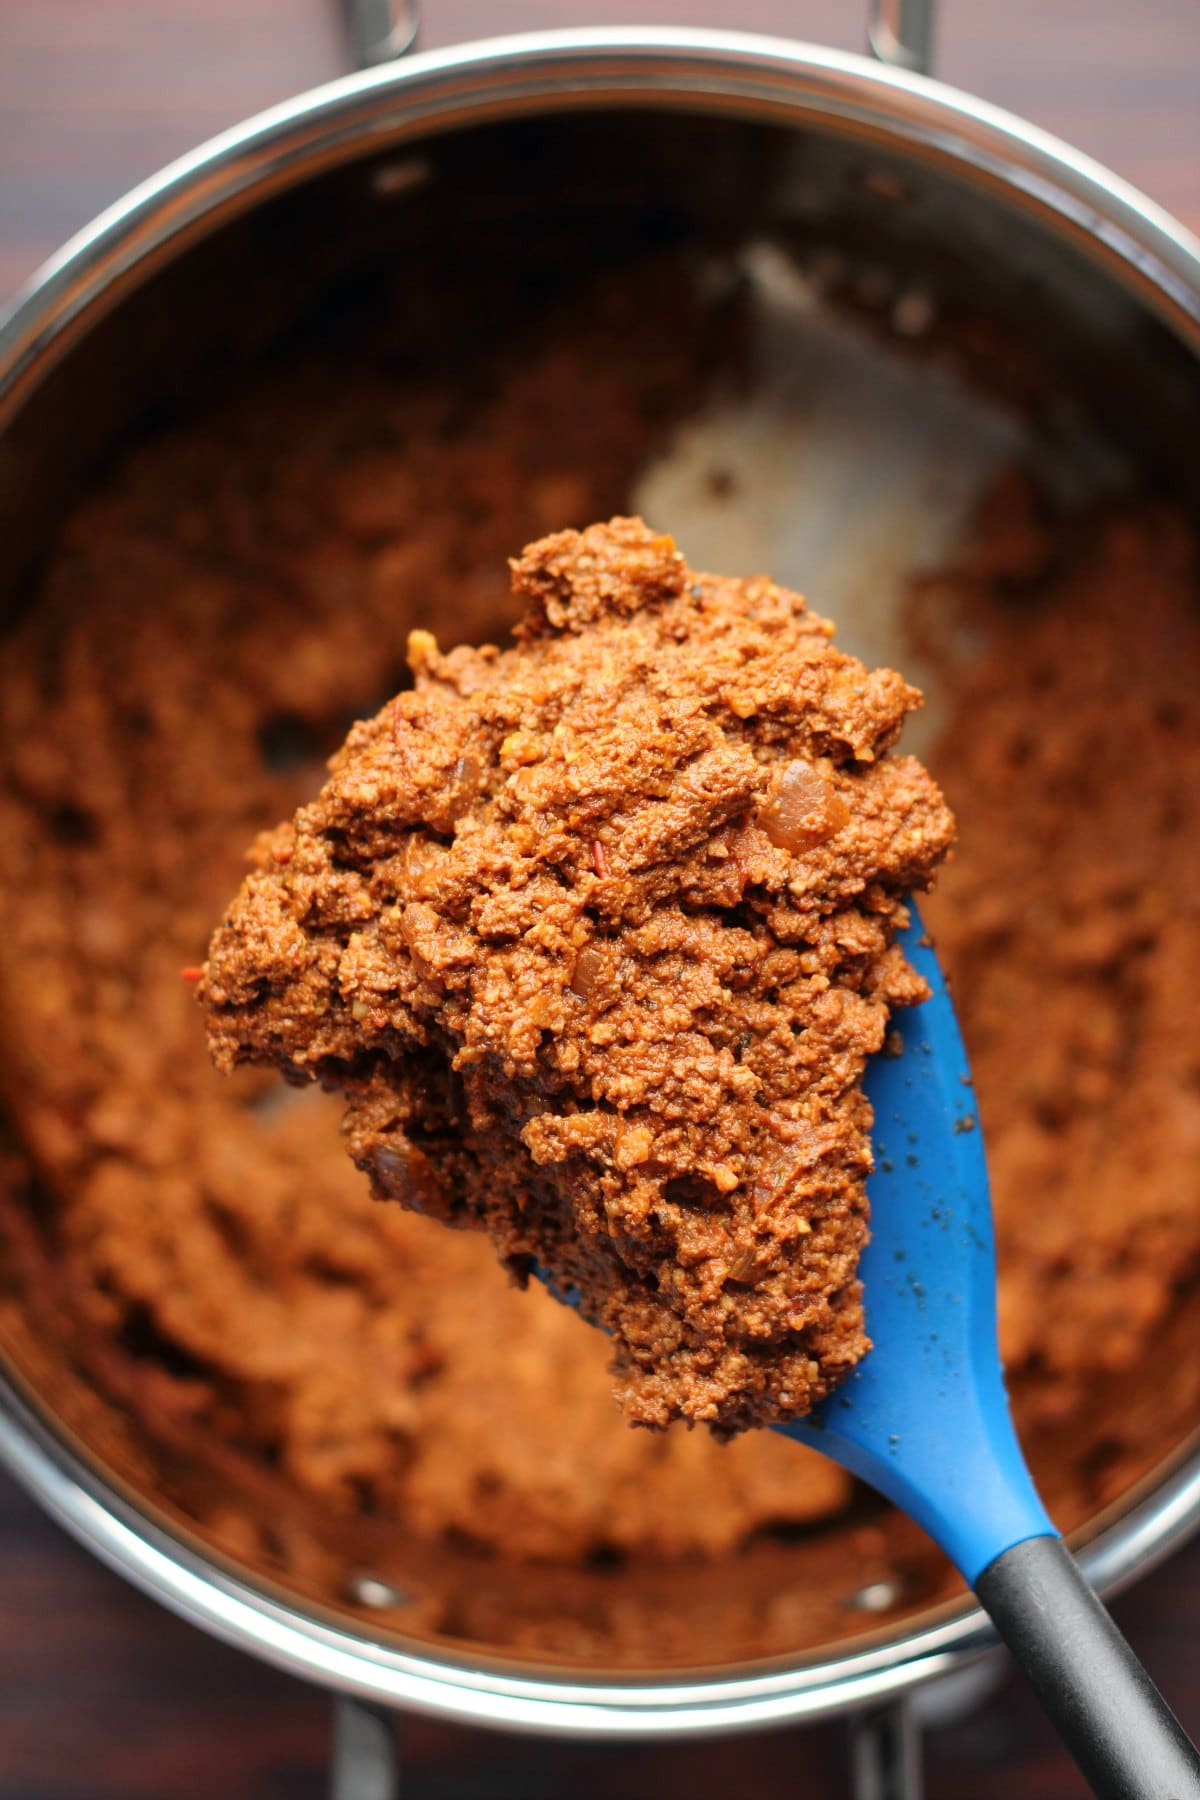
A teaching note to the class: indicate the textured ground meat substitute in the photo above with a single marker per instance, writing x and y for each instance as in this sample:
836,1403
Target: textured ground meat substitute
595,936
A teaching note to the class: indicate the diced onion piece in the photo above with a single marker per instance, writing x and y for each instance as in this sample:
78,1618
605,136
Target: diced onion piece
464,785
803,809
390,1172
588,965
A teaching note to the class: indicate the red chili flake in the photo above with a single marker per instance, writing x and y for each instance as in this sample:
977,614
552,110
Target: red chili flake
282,853
600,860
192,973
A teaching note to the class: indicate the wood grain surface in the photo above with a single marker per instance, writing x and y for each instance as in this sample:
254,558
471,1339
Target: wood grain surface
102,1695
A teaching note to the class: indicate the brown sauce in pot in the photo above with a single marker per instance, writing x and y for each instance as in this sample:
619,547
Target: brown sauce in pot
196,1276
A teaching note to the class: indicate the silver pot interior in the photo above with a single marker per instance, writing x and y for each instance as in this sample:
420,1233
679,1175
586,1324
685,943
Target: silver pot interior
902,337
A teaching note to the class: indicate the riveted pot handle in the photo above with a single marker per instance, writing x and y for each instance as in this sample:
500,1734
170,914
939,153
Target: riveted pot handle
900,32
381,29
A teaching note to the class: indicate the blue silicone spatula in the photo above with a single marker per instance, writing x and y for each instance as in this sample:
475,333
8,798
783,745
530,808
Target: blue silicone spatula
924,1418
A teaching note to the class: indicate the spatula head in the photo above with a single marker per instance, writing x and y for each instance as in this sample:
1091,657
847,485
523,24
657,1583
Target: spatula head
924,1417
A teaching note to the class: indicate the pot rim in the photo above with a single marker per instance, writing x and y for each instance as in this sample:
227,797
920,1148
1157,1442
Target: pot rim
702,71
172,1566
696,69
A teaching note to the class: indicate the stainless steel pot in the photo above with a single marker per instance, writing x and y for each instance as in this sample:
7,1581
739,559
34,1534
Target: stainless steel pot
1047,234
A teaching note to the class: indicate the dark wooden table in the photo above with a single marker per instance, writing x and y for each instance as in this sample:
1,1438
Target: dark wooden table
102,1695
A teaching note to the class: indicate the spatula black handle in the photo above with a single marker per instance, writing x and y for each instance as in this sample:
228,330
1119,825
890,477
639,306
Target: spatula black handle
1112,1718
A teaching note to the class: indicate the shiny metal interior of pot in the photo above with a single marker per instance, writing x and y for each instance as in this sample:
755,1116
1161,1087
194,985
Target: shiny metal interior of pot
870,421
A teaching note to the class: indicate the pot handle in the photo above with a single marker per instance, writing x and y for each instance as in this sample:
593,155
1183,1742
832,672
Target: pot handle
366,1762
899,32
381,29
885,1753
